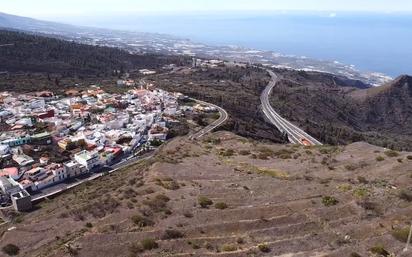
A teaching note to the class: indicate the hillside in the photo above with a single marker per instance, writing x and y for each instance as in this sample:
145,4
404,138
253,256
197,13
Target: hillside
23,52
338,114
230,196
236,89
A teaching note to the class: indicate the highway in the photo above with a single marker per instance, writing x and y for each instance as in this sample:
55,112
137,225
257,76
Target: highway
223,117
295,134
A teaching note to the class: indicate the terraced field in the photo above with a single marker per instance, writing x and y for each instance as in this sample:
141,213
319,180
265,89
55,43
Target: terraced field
230,196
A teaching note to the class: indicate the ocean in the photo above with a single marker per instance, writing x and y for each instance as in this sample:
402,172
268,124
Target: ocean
371,41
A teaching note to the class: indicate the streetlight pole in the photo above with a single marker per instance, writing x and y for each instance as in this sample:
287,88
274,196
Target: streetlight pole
409,240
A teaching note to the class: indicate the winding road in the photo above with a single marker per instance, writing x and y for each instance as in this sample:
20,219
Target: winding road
295,134
223,117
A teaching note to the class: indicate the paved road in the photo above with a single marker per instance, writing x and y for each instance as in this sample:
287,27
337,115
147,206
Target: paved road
59,188
66,185
223,117
295,134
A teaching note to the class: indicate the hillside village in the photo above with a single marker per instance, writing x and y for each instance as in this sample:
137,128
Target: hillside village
46,139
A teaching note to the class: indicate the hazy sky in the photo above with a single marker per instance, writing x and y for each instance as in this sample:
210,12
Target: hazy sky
56,8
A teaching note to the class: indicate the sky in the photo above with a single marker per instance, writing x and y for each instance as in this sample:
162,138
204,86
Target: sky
72,8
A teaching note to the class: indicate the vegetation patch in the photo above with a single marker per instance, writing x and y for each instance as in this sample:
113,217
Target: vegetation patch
361,192
227,153
379,250
158,203
167,183
264,248
391,153
229,248
221,205
172,234
244,152
141,221
345,187
149,244
401,234
406,194
204,202
380,158
272,173
329,201
11,249
284,153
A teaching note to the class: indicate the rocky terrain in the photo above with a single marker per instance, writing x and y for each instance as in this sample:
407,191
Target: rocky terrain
230,196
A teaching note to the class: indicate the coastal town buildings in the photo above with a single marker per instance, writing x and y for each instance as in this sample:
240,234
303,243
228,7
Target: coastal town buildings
46,139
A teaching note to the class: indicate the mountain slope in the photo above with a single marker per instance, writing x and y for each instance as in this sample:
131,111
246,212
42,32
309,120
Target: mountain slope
294,200
339,114
390,110
24,52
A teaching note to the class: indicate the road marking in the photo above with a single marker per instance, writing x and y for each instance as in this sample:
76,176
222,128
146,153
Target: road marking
295,134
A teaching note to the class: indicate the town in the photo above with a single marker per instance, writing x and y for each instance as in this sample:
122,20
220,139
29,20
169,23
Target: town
47,139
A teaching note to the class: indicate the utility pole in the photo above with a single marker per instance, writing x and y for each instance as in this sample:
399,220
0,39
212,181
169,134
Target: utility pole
409,240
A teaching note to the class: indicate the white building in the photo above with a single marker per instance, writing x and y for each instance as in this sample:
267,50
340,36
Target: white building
88,159
74,169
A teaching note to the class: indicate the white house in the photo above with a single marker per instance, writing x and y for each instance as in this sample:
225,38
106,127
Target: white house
88,159
74,169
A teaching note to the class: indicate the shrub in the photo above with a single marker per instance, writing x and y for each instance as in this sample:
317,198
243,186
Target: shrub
379,250
194,245
351,167
11,249
89,225
172,234
405,195
355,255
329,201
156,143
360,192
149,244
204,202
158,203
391,153
264,248
284,154
244,152
345,187
221,206
229,248
227,153
409,157
401,234
141,221
380,158
362,180
168,183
